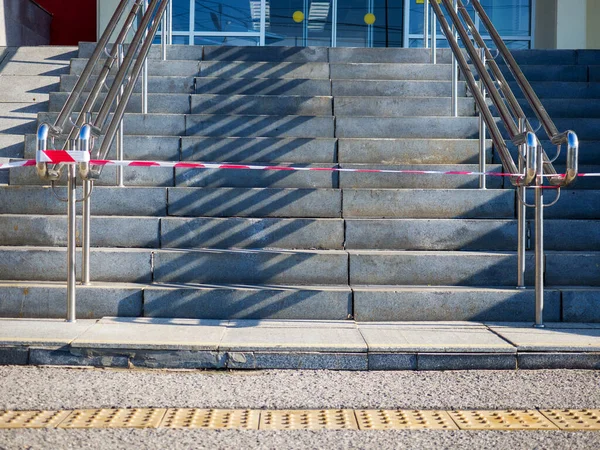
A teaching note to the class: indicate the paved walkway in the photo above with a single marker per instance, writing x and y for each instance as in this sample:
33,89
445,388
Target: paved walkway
275,344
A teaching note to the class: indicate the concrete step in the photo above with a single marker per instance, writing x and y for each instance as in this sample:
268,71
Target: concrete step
409,303
262,86
259,126
399,88
50,264
180,68
431,234
27,88
281,105
429,203
240,202
232,149
573,268
587,129
271,70
173,232
258,178
561,108
390,71
417,181
594,74
583,182
277,54
408,127
386,55
569,235
154,148
561,90
573,204
546,72
159,84
174,52
157,103
411,151
252,233
47,61
435,268
589,152
251,266
401,106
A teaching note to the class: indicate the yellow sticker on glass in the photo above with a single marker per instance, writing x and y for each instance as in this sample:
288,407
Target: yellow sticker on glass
298,16
370,18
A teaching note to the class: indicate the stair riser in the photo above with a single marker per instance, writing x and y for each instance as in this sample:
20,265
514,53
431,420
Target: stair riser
265,105
165,85
385,71
400,107
408,127
226,69
262,86
156,68
385,88
157,103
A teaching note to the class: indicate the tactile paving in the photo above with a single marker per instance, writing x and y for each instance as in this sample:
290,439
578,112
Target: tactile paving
501,420
381,419
574,419
114,418
32,419
333,419
243,419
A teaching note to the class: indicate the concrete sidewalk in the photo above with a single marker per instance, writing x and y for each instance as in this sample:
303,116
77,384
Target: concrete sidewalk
275,344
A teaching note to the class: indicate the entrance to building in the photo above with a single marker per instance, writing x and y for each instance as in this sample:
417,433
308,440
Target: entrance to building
330,23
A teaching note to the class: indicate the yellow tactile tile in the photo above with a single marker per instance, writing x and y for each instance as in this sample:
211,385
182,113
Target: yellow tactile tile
501,420
211,418
382,419
574,419
32,419
114,418
337,419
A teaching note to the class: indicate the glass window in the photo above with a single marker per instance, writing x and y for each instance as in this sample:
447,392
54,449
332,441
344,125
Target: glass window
181,15
510,17
226,15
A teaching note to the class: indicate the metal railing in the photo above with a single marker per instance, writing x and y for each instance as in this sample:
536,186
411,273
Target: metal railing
533,167
82,133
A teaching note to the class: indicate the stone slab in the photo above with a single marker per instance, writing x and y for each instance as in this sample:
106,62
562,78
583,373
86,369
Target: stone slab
390,71
44,332
288,54
399,303
466,361
262,86
251,233
27,89
276,70
400,88
156,68
20,118
433,340
408,127
158,103
11,146
392,361
296,323
431,234
249,302
62,357
14,356
558,360
573,205
279,105
429,203
573,269
291,150
189,334
570,235
546,72
176,359
240,266
579,305
306,339
400,106
297,360
388,55
164,84
228,202
411,151
48,300
551,339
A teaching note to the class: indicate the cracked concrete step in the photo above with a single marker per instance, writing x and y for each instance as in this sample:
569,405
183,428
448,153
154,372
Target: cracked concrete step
431,234
245,266
411,303
411,151
180,68
400,106
281,105
417,181
271,70
262,86
408,127
390,71
436,268
254,149
259,178
400,88
158,84
186,202
174,232
429,203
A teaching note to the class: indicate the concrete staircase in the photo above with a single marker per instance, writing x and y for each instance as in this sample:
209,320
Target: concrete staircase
309,245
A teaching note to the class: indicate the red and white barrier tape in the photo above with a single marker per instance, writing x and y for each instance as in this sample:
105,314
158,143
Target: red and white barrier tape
74,157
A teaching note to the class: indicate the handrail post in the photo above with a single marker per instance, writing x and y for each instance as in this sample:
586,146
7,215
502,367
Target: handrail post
539,241
433,38
120,140
71,241
145,71
521,213
426,23
482,131
170,23
84,146
454,69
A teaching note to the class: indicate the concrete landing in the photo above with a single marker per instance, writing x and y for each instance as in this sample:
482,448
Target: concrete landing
301,344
